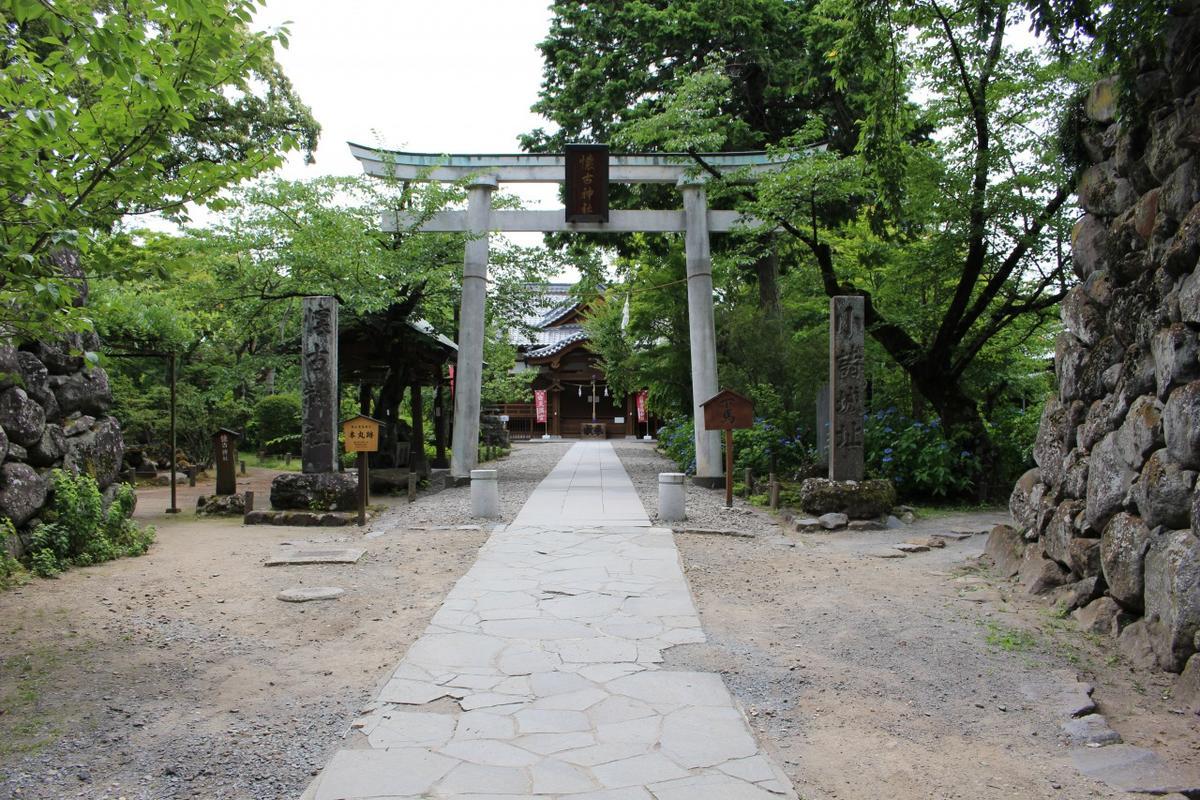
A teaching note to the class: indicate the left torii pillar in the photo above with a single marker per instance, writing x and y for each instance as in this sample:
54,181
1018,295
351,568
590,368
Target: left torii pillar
468,378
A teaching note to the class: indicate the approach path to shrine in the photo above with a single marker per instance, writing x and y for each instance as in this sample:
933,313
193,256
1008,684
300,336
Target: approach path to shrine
539,676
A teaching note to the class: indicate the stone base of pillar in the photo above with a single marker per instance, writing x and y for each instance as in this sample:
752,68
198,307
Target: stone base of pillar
325,491
708,482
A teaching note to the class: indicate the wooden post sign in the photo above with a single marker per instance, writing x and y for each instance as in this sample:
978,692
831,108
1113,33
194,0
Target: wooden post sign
725,411
225,455
361,435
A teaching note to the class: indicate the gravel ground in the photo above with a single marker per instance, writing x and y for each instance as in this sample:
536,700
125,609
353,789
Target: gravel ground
705,507
179,675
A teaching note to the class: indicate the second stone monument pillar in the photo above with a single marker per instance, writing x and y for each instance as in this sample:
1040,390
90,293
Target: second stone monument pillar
846,388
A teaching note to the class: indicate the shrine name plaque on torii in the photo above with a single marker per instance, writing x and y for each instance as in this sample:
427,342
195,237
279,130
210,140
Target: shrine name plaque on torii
483,173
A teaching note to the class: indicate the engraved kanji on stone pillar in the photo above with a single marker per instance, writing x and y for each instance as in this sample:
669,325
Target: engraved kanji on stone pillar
846,388
319,371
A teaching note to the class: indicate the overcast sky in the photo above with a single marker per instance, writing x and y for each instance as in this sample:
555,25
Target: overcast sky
439,76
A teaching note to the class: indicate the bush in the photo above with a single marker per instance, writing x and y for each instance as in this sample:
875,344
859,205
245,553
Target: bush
79,531
920,458
277,422
764,448
11,571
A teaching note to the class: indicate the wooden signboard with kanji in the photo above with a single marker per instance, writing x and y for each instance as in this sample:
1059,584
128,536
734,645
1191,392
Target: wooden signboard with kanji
225,453
586,182
725,411
361,434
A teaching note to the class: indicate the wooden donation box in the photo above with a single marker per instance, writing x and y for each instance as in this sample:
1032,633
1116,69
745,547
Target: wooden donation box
725,411
225,455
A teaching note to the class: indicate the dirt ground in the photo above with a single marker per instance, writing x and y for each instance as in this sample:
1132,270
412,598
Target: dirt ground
901,677
178,674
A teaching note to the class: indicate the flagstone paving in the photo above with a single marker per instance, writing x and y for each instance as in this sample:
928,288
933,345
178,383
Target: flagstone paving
539,676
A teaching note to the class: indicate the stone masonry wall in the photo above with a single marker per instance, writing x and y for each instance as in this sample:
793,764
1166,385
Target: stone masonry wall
1111,515
53,414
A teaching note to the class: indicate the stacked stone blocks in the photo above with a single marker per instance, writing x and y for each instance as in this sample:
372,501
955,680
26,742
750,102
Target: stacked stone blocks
1111,514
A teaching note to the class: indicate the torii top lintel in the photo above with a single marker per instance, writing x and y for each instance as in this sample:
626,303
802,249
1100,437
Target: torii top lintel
551,167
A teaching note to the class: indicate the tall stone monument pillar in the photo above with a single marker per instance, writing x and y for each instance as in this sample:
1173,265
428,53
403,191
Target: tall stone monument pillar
846,388
468,378
701,328
319,374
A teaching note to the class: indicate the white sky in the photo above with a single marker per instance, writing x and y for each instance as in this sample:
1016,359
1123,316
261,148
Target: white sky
437,76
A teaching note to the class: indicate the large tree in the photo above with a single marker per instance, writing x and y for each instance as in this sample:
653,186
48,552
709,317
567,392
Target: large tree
117,108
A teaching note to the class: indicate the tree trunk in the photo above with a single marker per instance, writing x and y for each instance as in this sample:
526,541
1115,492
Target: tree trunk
766,269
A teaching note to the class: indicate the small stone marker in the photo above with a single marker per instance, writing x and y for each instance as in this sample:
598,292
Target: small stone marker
485,494
672,501
316,555
225,454
304,594
846,388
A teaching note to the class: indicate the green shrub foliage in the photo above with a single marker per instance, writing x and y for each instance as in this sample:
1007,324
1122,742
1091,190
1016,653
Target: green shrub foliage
277,422
78,530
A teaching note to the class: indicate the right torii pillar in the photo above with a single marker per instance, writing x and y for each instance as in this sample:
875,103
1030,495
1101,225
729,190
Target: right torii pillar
701,328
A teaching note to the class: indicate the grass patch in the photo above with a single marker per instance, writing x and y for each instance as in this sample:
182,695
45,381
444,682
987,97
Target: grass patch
25,724
270,462
938,511
1012,640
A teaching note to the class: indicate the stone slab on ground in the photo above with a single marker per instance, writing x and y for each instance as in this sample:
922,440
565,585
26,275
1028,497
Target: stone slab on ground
305,594
315,555
542,666
1132,769
1090,729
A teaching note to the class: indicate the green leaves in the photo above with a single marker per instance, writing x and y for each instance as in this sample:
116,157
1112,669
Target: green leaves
126,109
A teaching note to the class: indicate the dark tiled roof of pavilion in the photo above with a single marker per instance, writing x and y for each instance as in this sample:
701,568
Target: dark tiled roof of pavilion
575,335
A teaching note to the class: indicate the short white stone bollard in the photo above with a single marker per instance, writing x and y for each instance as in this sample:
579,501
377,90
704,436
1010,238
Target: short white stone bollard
485,495
671,504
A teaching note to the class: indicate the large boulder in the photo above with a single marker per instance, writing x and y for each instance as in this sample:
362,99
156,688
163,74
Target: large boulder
10,367
1050,447
22,492
1123,556
1163,492
1104,193
1189,298
86,391
50,449
66,355
855,499
1141,433
1041,575
36,380
1176,357
326,491
21,417
1109,479
1083,556
1022,504
1006,549
1056,540
1173,594
1181,425
1082,316
3,445
1090,250
97,452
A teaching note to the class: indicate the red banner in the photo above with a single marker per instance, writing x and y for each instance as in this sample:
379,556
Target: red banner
641,405
539,404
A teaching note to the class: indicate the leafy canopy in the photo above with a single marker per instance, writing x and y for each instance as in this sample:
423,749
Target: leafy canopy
116,108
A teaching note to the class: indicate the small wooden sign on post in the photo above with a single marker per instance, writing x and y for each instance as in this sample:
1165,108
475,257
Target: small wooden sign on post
361,435
725,411
225,456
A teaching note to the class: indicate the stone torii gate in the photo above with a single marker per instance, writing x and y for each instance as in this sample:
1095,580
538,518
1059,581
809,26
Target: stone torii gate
484,173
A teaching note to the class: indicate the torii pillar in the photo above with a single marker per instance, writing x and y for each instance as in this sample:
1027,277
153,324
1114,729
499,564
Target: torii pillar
701,328
468,377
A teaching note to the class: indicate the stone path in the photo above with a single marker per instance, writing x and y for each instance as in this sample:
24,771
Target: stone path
539,677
